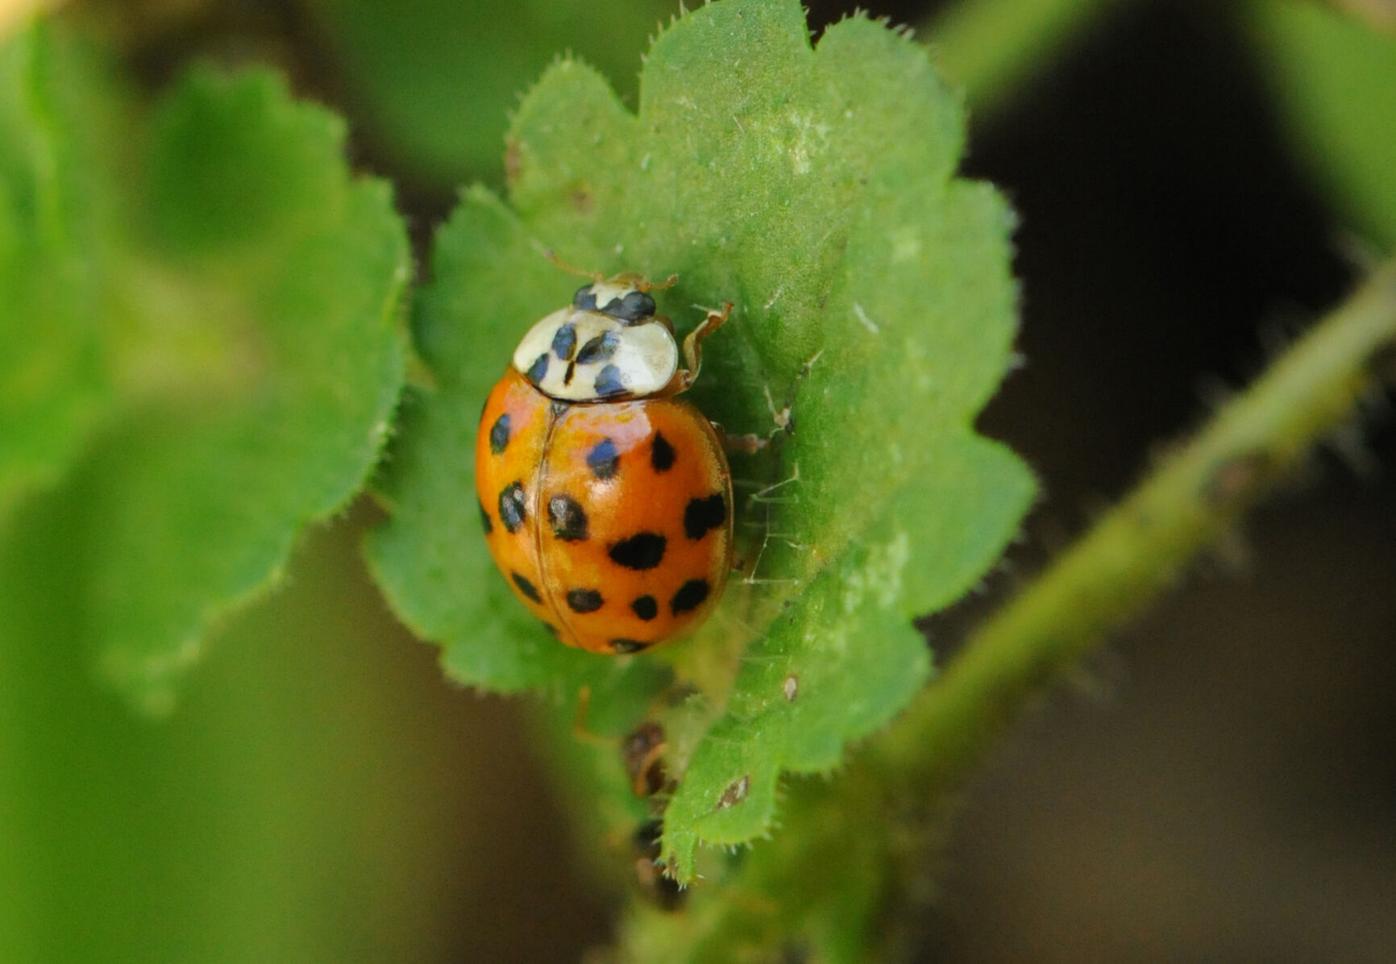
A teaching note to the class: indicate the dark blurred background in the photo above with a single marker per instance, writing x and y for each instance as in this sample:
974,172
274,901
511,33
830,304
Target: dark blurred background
1219,785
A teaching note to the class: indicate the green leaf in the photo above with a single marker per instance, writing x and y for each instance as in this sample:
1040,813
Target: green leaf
435,79
53,379
813,188
248,308
838,665
274,262
1336,81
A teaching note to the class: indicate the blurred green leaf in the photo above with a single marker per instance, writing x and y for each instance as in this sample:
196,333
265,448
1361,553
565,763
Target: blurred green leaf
435,80
53,377
285,278
815,190
1336,81
308,801
992,47
249,310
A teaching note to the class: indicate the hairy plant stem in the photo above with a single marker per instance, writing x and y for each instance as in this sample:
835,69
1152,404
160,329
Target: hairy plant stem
904,783
1142,546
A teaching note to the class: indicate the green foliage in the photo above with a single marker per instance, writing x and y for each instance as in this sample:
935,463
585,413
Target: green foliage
436,79
989,47
815,190
52,374
290,808
248,311
1336,80
837,665
820,890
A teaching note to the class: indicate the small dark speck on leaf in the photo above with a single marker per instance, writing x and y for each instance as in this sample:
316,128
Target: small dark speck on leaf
735,793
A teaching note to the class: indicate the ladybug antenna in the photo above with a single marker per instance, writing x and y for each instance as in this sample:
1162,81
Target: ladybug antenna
639,282
558,262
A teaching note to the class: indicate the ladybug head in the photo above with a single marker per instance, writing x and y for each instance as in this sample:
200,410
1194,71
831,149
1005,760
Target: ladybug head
625,298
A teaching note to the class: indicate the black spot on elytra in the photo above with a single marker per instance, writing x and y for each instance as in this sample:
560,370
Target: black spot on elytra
512,510
499,434
538,369
701,515
642,551
608,382
661,453
485,519
689,597
645,607
564,341
627,645
584,600
568,520
526,587
603,459
600,348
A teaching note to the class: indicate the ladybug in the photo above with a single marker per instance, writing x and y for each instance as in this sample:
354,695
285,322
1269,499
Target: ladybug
606,500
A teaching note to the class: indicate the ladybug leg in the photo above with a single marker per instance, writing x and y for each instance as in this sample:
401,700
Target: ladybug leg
748,444
783,417
751,442
693,345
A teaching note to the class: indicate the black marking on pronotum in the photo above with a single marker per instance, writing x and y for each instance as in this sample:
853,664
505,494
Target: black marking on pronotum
603,459
512,508
608,382
538,369
642,551
689,597
499,434
645,607
526,587
584,600
485,518
632,307
600,348
564,341
568,520
567,375
627,645
701,515
661,453
585,298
